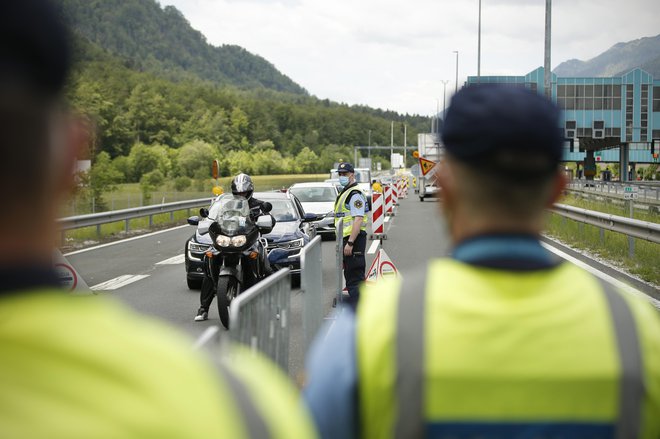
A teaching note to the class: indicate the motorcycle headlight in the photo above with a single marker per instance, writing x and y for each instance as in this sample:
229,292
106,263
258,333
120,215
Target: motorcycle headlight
223,241
238,241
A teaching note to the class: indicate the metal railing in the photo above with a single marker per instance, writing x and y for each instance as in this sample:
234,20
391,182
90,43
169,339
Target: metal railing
647,190
97,219
259,317
340,260
311,285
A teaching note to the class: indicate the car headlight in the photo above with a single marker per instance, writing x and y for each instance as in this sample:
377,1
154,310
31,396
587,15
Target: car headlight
238,241
223,241
194,247
297,243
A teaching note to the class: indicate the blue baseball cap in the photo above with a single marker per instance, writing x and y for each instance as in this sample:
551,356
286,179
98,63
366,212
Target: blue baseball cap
345,167
504,128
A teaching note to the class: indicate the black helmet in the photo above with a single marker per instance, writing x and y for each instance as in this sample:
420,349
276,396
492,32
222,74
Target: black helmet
242,185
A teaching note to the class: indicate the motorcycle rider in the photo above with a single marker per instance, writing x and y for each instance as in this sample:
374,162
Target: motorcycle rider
241,186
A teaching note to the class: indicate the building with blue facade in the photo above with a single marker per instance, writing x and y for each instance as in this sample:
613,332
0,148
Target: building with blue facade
614,119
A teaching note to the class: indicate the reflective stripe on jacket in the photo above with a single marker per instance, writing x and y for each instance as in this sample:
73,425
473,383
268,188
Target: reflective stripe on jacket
468,352
342,211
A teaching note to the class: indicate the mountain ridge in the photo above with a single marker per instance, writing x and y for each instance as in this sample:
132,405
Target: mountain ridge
617,60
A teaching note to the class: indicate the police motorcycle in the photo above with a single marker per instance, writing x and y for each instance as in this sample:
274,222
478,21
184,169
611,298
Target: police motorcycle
238,258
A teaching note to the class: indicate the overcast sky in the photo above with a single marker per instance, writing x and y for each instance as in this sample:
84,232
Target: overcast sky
393,54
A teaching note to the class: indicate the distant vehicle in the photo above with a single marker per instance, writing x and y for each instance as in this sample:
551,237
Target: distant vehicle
430,191
319,198
334,181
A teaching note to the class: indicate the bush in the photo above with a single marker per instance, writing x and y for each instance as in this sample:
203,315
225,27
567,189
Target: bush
182,183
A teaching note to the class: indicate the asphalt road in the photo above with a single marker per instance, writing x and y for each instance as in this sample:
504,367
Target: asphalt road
147,273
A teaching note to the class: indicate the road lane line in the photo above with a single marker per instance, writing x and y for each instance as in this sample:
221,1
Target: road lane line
373,247
206,336
604,276
124,240
178,259
118,282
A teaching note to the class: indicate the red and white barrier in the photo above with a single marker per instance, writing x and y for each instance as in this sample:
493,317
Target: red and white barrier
378,216
389,205
395,193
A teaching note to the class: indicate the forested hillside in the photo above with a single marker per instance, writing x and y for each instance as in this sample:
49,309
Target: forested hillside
162,41
154,127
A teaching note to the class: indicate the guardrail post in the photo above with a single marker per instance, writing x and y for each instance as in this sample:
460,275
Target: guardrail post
151,221
631,240
98,230
127,225
171,216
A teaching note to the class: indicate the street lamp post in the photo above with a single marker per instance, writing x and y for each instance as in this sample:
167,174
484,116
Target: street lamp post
479,47
456,89
444,96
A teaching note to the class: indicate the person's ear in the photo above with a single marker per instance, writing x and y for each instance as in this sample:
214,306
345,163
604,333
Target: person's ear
445,179
559,183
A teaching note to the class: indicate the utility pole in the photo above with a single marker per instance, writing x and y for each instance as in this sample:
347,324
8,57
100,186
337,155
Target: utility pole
405,144
392,142
444,97
479,48
456,89
369,150
547,74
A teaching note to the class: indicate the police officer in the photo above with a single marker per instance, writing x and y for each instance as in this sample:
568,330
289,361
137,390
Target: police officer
241,186
500,340
351,205
87,367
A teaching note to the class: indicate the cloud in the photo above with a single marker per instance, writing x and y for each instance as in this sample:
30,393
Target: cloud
393,54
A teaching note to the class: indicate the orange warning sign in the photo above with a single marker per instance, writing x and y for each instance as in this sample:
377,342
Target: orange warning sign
426,165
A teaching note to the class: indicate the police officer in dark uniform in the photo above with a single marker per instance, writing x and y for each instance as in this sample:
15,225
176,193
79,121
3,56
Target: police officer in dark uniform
351,205
241,186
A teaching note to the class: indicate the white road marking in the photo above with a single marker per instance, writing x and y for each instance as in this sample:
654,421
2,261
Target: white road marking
604,276
118,282
387,219
206,336
373,247
125,240
178,259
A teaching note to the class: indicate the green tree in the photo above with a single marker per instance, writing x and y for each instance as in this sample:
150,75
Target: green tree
196,155
148,158
307,160
150,182
103,177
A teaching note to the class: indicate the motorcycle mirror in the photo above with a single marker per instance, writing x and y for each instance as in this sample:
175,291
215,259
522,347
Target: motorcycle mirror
265,224
204,212
193,220
266,207
310,217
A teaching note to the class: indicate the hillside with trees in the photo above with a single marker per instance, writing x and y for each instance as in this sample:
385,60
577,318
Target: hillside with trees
152,127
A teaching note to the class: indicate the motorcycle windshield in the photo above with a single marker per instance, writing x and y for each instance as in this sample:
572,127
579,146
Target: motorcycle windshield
232,215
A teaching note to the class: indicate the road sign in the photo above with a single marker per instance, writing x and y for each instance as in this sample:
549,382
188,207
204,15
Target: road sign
630,189
630,196
67,275
415,170
426,165
382,266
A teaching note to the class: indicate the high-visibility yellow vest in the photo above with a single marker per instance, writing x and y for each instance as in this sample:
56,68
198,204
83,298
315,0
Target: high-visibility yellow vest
85,367
476,352
341,211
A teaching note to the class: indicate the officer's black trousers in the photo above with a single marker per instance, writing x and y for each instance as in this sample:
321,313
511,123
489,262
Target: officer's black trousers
354,267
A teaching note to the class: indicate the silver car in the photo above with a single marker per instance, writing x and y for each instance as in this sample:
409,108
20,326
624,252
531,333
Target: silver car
318,198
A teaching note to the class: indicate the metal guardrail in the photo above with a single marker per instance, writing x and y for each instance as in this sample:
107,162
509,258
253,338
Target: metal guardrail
96,219
259,317
633,228
311,285
647,190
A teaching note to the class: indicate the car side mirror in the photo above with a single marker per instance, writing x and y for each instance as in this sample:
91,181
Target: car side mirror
204,212
265,224
193,220
309,217
266,207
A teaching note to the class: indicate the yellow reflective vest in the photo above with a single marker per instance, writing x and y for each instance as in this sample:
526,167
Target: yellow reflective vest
342,211
468,352
85,367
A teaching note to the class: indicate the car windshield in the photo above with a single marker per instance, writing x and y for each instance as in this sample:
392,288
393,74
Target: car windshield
361,175
283,210
232,213
314,194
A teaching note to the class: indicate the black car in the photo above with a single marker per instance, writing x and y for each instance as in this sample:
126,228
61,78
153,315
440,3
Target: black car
293,230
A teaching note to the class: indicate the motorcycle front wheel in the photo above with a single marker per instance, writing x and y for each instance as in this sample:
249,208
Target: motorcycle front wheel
228,288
